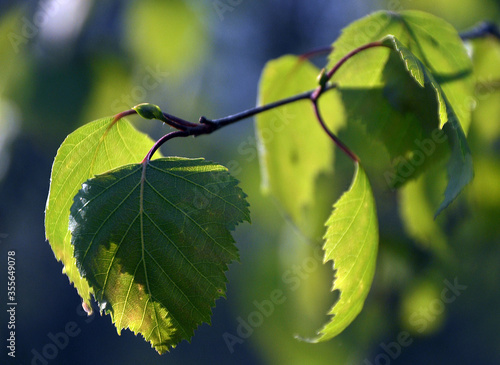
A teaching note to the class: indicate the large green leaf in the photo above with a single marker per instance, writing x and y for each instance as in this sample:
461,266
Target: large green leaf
352,243
294,151
431,39
92,149
153,241
417,202
403,111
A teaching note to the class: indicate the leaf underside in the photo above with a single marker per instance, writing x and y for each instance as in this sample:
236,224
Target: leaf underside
153,241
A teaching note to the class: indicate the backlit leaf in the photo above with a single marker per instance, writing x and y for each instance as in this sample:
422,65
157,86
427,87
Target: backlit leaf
402,111
294,151
352,244
460,171
92,149
432,40
153,241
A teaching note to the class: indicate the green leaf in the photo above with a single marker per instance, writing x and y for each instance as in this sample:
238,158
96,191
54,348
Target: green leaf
417,202
405,111
432,40
393,107
486,58
147,45
352,243
153,241
460,171
294,151
96,147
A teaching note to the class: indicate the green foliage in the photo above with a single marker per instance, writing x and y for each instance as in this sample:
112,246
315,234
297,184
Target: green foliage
391,106
153,242
460,171
92,149
179,28
292,145
432,40
352,243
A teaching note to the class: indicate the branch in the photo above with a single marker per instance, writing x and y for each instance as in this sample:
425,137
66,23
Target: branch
481,30
324,79
205,125
161,141
219,123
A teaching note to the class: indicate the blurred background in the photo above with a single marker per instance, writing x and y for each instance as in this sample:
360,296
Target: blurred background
65,63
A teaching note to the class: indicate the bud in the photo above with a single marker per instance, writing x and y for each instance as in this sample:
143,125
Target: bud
149,111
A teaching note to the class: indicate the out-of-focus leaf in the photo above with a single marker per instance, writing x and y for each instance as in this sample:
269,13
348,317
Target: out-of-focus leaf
294,151
486,58
418,199
166,34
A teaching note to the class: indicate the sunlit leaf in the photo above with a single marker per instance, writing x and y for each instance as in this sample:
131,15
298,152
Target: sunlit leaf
431,39
352,244
486,58
403,112
460,171
294,151
153,241
92,149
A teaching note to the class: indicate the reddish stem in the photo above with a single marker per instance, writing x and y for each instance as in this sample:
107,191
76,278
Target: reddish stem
123,115
337,141
317,93
315,52
350,54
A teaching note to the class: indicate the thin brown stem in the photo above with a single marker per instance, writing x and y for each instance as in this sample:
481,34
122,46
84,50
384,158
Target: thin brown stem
207,126
161,141
337,141
350,54
315,52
